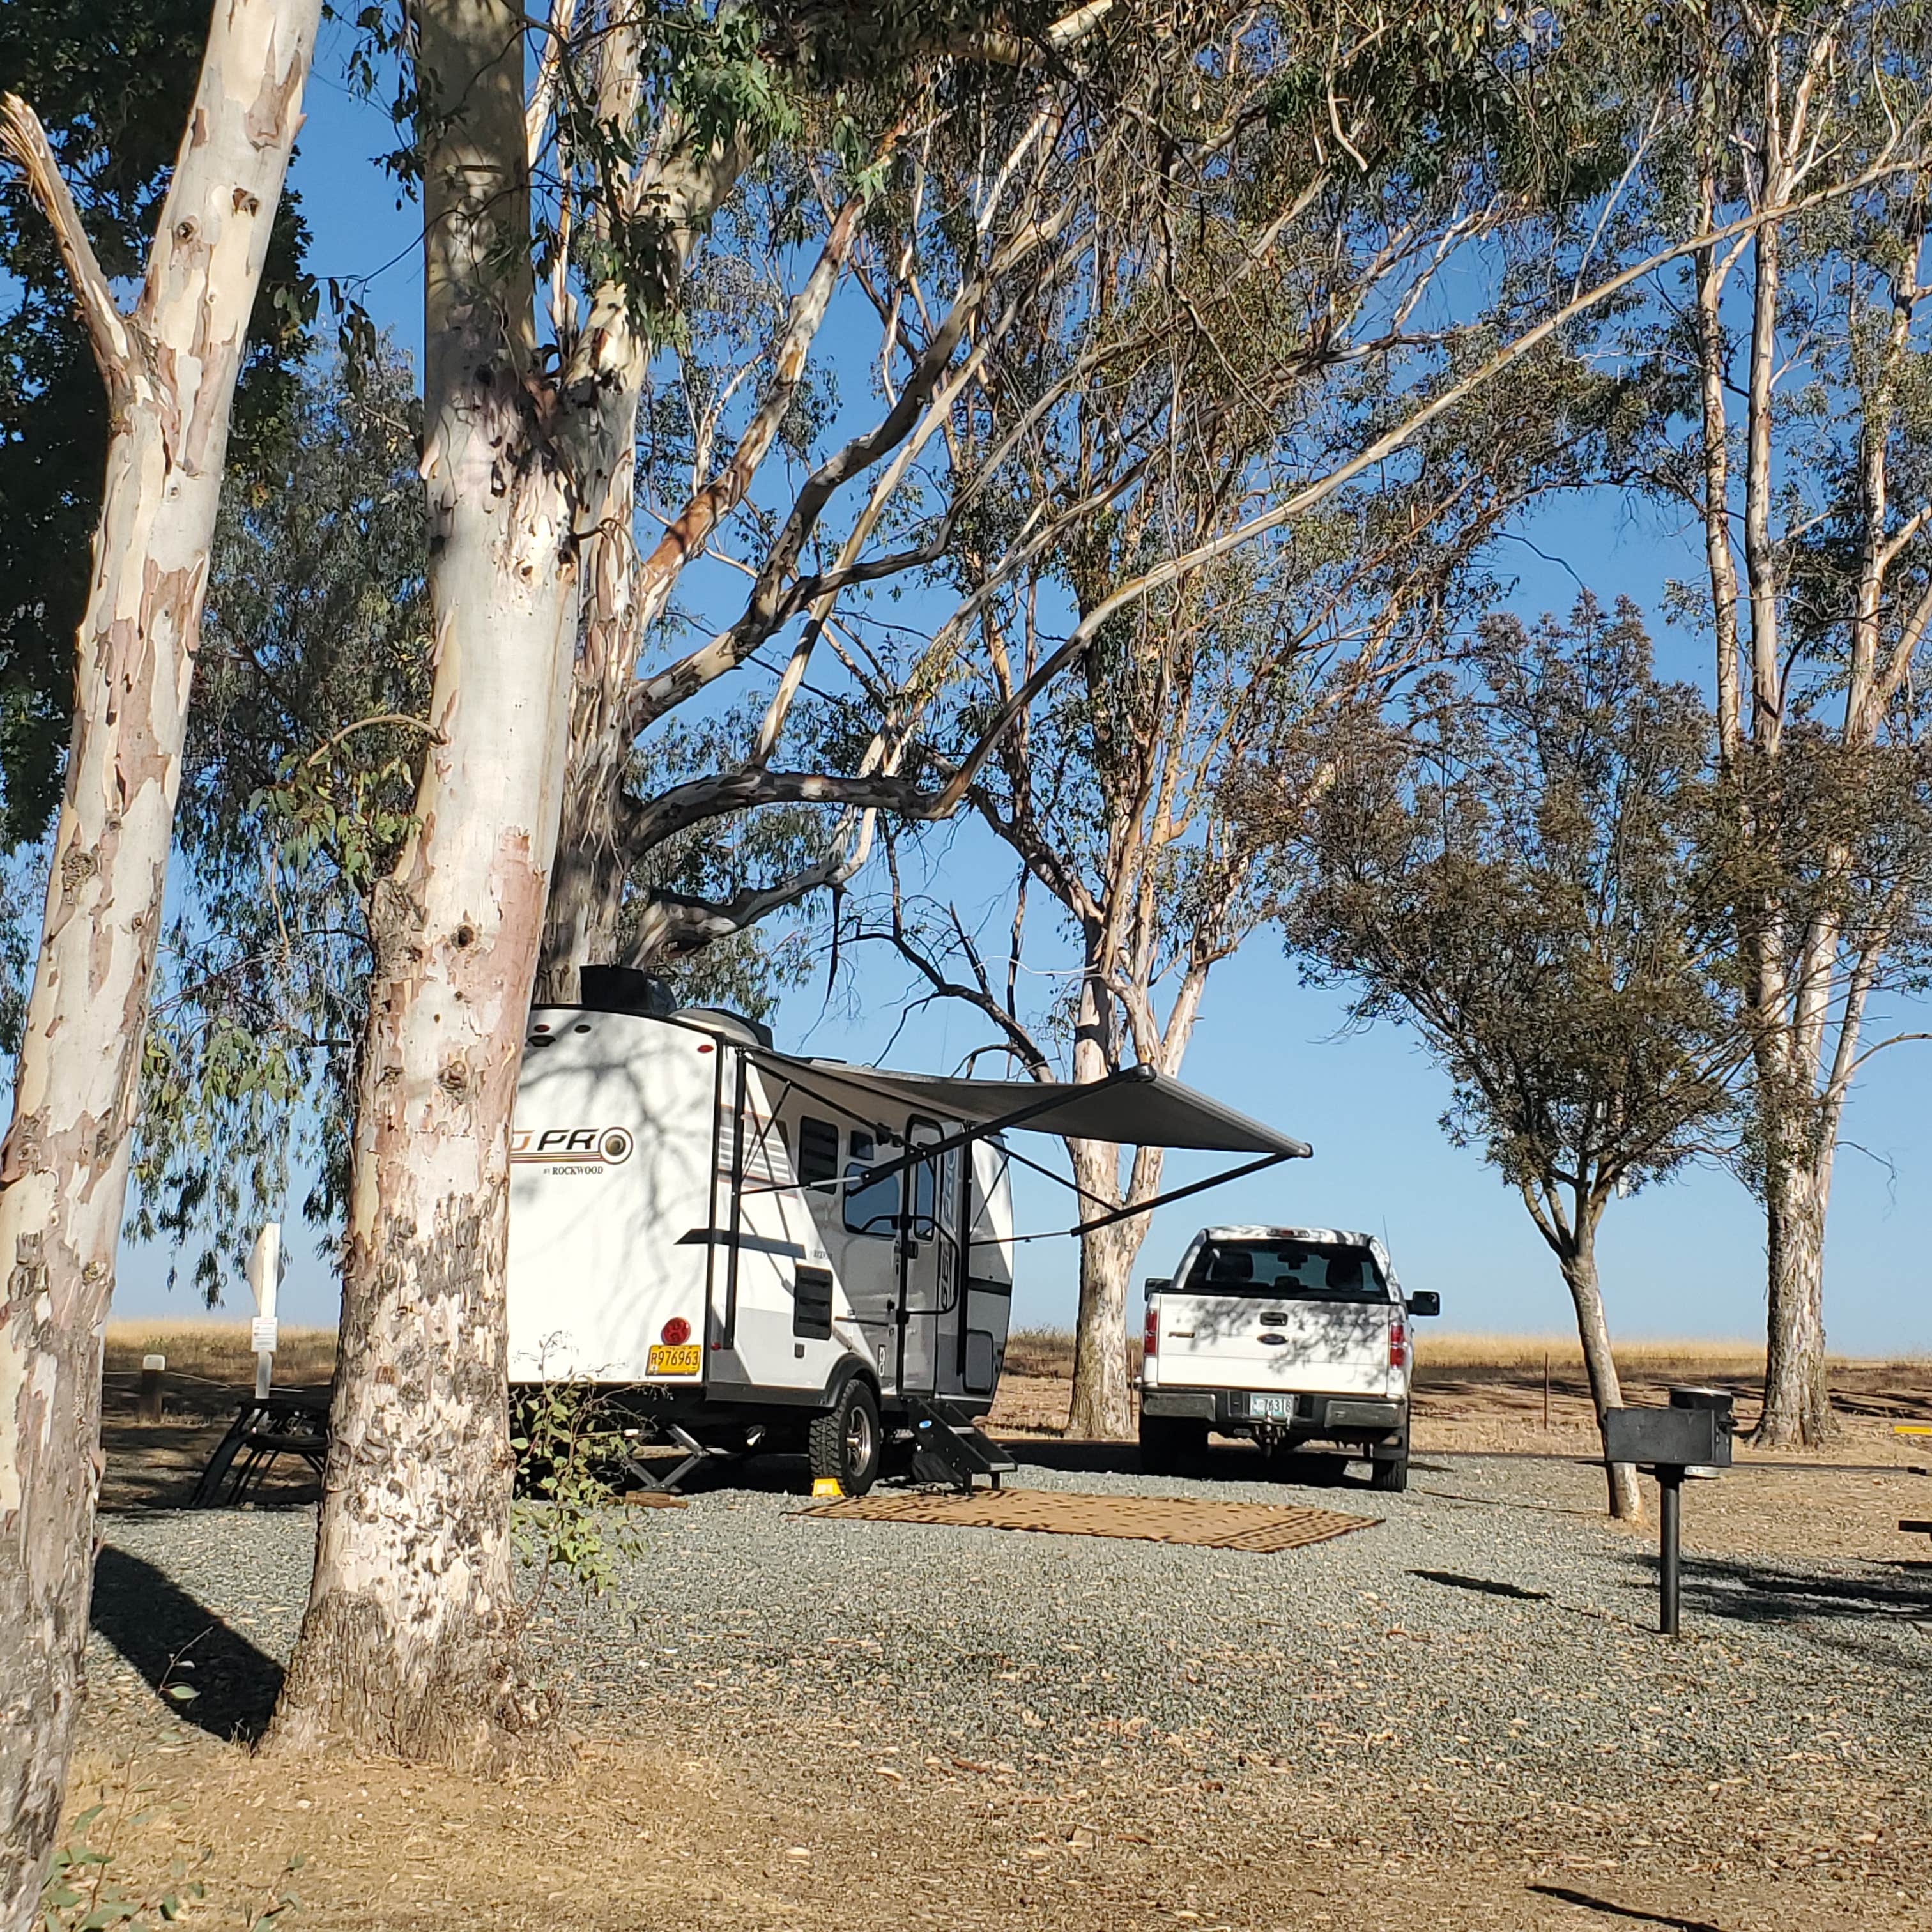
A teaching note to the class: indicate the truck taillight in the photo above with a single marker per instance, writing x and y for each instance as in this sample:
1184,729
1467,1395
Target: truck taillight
1398,1343
1151,1336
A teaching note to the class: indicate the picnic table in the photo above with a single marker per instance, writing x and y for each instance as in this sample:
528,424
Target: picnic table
284,1422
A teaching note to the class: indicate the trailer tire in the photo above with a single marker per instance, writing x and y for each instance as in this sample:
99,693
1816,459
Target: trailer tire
845,1441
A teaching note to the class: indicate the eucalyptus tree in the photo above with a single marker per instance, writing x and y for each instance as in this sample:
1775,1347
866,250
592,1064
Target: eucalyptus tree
169,366
1515,865
111,87
952,232
1289,450
1801,347
529,422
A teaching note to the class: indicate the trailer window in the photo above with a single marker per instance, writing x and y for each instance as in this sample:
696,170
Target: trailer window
811,1305
1287,1271
871,1204
924,1227
817,1151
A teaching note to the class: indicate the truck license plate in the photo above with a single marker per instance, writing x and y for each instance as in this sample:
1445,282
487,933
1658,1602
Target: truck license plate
1264,1408
682,1361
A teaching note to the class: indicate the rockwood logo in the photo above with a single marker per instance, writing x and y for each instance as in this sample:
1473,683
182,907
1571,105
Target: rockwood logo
606,1146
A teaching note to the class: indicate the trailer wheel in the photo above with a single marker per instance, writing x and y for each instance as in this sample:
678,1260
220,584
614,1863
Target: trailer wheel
844,1442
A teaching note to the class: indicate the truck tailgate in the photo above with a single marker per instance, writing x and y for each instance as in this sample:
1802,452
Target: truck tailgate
1212,1341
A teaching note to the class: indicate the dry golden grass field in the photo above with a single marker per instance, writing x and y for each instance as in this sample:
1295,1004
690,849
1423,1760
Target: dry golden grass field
217,1352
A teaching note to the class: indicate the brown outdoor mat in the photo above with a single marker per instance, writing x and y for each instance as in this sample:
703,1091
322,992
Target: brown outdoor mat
1262,1527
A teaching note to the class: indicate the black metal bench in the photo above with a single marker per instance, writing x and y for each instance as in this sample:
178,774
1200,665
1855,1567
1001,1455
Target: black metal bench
283,1423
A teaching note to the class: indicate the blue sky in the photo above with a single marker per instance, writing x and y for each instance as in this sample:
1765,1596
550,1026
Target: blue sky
1682,1260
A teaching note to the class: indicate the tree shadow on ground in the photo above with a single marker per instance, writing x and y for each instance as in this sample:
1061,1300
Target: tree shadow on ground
179,1644
1610,1909
1486,1586
1857,1616
1758,1592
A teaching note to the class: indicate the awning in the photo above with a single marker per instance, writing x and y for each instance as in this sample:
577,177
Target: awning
1137,1107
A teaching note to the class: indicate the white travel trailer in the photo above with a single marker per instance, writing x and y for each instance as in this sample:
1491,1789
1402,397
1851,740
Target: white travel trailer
761,1250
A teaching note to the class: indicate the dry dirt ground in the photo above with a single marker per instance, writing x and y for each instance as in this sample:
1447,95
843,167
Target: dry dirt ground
805,1832
793,1820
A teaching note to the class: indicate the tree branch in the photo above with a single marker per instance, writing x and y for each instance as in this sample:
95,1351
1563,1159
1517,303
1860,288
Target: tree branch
1175,567
25,141
721,794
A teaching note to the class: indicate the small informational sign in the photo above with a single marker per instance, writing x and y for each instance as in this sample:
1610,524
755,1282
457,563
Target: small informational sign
262,1334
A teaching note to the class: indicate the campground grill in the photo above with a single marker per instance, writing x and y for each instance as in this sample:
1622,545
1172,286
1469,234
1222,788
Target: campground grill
1692,1437
1260,1527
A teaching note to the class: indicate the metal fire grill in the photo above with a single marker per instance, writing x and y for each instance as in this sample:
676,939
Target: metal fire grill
1263,1528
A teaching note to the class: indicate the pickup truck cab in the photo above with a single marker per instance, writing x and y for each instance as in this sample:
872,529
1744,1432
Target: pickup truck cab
1286,1335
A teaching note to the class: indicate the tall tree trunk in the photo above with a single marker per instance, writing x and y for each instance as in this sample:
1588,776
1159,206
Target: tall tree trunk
170,367
626,594
1600,1363
587,894
1797,1412
1100,1408
406,1646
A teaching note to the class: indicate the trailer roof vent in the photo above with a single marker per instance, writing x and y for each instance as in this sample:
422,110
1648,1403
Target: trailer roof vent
623,989
733,1026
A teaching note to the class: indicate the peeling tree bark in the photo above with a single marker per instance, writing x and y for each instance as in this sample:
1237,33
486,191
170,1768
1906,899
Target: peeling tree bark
170,367
406,1647
1797,1412
1099,1406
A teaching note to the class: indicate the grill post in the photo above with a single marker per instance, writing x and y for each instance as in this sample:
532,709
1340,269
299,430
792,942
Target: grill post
1669,1499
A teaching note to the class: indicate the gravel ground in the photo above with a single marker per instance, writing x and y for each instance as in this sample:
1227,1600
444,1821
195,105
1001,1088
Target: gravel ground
1477,1673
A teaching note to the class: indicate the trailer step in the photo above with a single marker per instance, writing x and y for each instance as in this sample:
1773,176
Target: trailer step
951,1446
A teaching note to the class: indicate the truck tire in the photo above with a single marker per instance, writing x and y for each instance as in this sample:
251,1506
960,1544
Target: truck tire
1170,1447
845,1441
1390,1474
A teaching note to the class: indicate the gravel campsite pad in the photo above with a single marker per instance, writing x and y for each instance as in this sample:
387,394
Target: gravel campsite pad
1476,1679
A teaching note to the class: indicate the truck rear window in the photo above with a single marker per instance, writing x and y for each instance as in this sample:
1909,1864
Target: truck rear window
1286,1271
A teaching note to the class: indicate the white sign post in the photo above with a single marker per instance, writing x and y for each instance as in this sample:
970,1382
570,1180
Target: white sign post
264,1264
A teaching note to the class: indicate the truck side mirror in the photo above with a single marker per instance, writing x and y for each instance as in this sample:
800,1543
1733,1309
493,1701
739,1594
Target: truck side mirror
1157,1284
1425,1301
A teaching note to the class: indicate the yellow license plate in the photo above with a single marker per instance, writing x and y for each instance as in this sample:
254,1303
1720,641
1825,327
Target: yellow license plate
682,1361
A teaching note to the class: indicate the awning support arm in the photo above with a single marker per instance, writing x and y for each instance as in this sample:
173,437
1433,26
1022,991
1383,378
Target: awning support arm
1173,1194
1060,1180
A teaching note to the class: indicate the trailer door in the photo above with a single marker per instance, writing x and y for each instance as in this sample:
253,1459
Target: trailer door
928,1260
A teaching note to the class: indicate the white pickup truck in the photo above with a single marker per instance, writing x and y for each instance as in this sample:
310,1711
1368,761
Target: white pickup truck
1287,1335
